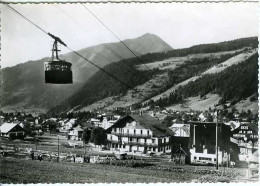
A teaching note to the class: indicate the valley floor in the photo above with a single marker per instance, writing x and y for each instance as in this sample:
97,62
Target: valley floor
28,171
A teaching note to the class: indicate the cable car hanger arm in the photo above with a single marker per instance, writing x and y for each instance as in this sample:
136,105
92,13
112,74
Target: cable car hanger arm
57,39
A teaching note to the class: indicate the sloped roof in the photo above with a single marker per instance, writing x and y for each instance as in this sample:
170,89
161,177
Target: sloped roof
146,121
87,124
251,126
78,128
6,127
254,157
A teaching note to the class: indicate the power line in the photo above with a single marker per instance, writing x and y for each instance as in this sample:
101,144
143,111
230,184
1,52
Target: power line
111,75
114,35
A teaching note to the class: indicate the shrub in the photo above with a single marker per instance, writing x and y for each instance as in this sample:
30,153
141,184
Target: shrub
125,163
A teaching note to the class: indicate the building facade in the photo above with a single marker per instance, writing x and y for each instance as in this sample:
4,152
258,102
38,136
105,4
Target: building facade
12,131
76,134
203,136
246,138
139,134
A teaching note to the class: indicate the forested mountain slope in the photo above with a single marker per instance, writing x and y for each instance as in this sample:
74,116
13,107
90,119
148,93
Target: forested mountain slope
145,83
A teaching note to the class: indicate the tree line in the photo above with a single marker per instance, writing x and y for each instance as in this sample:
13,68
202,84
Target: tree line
233,84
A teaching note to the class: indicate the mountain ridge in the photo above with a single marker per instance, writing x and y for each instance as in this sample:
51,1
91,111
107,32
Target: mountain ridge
27,89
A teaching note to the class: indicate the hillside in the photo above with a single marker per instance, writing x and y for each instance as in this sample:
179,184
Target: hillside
24,87
218,67
163,76
235,84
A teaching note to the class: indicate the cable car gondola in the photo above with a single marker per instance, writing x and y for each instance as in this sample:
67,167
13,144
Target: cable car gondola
57,71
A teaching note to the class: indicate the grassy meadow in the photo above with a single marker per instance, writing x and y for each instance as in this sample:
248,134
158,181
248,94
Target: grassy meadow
28,171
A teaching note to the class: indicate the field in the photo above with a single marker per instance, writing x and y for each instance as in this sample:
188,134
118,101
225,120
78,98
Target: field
28,171
21,169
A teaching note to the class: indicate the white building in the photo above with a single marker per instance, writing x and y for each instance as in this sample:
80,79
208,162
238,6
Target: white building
139,133
75,134
181,130
109,121
95,122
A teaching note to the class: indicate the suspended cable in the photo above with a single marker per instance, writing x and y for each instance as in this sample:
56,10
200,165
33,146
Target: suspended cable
116,54
111,75
27,19
114,35
69,16
99,68
108,48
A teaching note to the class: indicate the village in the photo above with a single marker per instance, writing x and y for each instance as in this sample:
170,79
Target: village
214,138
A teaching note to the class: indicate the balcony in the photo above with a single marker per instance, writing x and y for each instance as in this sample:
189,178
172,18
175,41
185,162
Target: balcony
239,136
135,143
131,135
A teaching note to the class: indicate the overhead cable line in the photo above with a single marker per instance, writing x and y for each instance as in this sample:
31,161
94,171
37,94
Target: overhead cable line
114,52
99,67
114,35
111,75
27,19
75,21
69,16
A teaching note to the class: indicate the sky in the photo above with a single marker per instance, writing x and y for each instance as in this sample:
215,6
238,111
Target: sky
179,24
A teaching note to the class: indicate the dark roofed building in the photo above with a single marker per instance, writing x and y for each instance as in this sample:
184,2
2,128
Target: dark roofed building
12,131
139,134
202,142
246,138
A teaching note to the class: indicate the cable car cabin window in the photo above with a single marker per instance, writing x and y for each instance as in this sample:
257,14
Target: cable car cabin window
58,72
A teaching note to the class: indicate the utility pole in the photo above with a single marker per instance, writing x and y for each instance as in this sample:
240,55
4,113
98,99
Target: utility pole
217,142
194,136
58,149
36,141
85,150
180,154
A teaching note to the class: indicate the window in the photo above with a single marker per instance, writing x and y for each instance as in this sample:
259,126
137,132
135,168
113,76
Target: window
203,158
141,131
127,131
148,132
134,131
195,157
249,132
